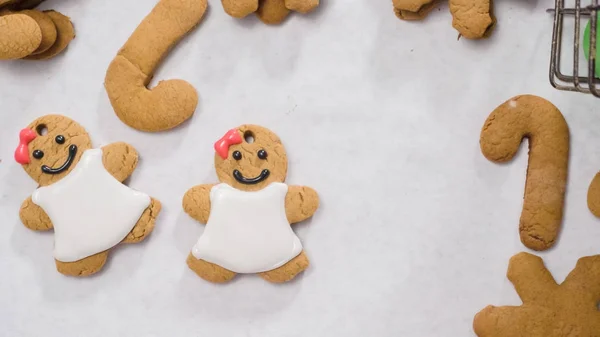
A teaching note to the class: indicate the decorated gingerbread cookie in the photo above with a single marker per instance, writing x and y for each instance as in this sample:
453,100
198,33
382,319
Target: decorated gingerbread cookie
549,309
80,194
249,212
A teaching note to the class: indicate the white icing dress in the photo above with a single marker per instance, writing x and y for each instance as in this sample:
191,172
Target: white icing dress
248,232
91,210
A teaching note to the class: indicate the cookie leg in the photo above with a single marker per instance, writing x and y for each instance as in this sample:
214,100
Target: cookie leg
288,271
302,6
84,267
239,8
272,12
145,224
209,271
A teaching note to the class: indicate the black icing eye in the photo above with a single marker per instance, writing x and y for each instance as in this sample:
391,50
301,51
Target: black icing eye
262,154
237,155
37,154
60,139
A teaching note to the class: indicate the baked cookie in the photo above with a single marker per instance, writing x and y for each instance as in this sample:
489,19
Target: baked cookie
473,19
268,11
535,118
171,102
248,214
593,196
80,194
548,309
42,36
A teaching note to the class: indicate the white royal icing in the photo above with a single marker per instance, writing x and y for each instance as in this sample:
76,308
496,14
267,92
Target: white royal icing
91,210
248,232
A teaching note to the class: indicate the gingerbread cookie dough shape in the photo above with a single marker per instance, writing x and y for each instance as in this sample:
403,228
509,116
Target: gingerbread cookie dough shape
171,102
549,309
80,194
249,212
542,123
268,11
473,19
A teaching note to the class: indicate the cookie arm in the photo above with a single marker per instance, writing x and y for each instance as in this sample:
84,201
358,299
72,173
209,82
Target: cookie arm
120,159
196,202
34,217
532,281
585,277
301,202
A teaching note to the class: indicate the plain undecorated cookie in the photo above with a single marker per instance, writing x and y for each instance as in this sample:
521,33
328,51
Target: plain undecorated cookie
48,28
537,119
65,34
239,8
24,38
272,11
171,102
473,19
549,309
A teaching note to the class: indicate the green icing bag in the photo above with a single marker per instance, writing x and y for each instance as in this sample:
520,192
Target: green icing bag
586,43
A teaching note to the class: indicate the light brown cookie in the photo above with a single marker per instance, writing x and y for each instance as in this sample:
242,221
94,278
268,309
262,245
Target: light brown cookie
93,198
48,28
65,34
542,123
21,36
302,6
593,195
548,309
272,12
412,9
415,16
473,19
171,102
239,8
248,214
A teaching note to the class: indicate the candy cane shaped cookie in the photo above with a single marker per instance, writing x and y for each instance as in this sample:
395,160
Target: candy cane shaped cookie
542,123
171,102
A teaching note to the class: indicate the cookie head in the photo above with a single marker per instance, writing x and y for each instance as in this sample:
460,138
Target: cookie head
250,158
50,147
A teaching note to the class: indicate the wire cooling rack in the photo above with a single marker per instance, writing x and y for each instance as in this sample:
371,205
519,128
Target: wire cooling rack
570,19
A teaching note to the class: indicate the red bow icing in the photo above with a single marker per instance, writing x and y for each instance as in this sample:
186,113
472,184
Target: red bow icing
22,152
232,137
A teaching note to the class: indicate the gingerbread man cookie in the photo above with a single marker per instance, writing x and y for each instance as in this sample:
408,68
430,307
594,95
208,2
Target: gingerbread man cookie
248,214
549,309
80,194
268,11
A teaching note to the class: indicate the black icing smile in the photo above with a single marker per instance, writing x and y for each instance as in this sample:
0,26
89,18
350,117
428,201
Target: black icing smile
65,166
251,181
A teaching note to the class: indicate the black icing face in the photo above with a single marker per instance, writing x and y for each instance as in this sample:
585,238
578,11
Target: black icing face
59,139
256,162
58,144
264,174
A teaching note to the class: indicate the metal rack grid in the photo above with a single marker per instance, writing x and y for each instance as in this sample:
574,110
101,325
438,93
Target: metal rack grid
574,82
